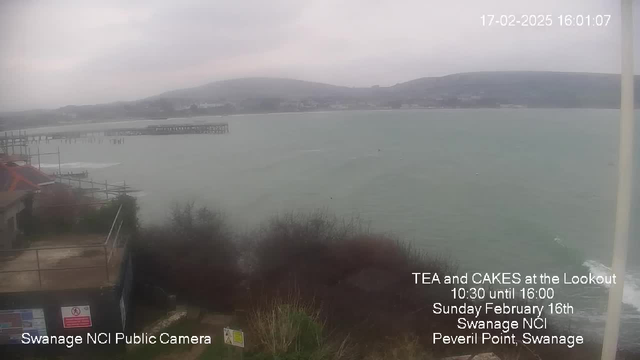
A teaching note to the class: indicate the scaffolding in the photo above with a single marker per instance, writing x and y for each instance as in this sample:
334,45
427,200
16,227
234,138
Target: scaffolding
15,147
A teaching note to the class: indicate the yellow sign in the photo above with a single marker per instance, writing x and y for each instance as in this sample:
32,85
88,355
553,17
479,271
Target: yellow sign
234,337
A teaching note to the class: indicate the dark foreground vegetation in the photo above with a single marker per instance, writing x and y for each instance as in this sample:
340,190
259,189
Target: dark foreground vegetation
311,286
63,211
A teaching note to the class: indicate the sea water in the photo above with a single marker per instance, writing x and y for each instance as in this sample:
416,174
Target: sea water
508,190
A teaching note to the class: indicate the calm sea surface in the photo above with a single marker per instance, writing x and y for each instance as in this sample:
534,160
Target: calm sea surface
517,190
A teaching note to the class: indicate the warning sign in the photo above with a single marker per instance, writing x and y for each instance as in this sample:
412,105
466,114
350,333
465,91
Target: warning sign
234,337
76,316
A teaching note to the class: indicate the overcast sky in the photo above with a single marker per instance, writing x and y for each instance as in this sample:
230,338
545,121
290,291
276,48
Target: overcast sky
55,53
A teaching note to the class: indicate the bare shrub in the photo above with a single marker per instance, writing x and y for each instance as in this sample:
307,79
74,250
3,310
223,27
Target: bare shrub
292,235
193,254
364,280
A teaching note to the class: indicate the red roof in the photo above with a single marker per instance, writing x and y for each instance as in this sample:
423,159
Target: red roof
25,177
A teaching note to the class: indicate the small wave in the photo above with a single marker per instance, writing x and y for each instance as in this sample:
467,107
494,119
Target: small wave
631,292
78,165
365,156
565,254
559,241
313,150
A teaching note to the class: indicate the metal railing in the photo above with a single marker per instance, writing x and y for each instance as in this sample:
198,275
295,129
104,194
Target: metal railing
108,247
94,187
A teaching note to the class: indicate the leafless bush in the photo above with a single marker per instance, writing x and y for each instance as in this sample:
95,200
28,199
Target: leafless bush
363,279
193,255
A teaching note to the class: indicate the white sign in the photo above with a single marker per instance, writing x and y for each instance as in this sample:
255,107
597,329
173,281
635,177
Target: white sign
76,316
234,337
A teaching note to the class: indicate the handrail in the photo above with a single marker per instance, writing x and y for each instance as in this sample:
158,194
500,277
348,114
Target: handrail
67,246
52,248
106,241
104,246
54,269
62,177
40,270
115,240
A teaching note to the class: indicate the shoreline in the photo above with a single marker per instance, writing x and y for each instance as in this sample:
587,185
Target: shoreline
326,111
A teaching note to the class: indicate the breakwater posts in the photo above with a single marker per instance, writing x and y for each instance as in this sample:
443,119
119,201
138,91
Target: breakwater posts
22,137
184,129
10,142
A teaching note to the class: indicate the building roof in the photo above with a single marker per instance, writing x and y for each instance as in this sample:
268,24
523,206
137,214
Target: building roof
26,177
8,198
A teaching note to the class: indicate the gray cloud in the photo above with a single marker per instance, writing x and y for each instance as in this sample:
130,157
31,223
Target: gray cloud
79,52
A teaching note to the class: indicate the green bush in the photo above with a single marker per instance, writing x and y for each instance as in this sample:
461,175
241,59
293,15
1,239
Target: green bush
291,329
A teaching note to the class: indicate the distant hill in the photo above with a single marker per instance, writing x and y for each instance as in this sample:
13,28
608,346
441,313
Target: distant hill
527,88
532,89
254,88
259,95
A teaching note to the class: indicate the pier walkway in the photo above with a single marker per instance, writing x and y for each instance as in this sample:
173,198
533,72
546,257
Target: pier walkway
10,140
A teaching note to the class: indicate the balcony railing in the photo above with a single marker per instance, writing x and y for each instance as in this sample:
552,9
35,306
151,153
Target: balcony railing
102,260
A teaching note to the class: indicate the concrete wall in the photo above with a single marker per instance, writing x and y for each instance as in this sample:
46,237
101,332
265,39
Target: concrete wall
106,315
9,224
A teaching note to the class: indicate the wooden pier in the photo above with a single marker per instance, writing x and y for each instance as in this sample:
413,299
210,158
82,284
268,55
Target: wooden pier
177,129
22,137
73,175
16,146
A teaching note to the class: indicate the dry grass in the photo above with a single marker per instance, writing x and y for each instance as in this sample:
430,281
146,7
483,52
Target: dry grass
290,328
279,326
